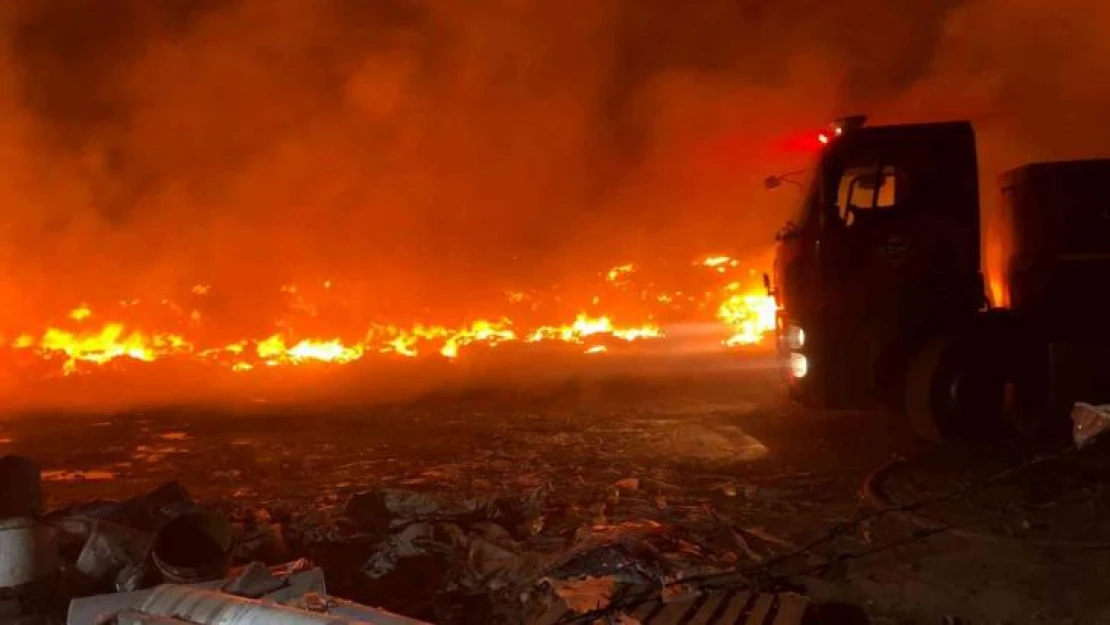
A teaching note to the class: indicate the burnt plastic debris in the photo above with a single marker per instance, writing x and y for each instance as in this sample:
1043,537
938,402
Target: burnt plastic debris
114,556
411,524
260,538
643,553
381,511
447,559
195,546
254,581
643,563
434,555
378,511
145,512
160,536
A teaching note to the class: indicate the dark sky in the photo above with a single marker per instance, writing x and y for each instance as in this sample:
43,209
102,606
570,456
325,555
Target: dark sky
416,145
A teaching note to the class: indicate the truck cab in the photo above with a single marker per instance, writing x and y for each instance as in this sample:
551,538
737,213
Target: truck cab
884,251
881,295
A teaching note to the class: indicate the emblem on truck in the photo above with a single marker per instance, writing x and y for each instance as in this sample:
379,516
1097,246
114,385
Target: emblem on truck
895,250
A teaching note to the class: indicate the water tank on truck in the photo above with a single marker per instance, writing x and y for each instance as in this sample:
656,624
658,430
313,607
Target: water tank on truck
1052,232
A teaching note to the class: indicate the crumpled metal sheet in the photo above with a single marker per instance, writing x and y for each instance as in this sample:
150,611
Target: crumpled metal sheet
298,597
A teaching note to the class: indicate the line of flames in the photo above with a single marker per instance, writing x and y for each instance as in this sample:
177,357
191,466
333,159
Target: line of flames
748,317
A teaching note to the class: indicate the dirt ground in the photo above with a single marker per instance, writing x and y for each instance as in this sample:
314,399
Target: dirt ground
695,449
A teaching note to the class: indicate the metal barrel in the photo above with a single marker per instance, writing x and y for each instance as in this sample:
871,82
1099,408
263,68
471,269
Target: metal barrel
28,552
194,547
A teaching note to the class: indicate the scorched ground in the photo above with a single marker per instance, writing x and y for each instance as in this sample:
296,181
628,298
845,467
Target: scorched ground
699,448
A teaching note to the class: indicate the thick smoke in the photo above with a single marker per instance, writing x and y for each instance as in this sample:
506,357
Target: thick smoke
1033,77
433,153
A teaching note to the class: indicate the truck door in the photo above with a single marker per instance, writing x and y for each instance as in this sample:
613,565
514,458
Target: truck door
871,200
869,240
876,252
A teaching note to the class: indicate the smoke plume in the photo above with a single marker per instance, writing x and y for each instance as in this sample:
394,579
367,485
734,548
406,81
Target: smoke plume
433,153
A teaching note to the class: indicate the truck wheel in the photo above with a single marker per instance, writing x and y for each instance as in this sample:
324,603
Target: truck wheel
956,390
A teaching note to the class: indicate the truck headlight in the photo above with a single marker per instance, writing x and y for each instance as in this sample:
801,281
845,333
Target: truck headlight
799,366
795,337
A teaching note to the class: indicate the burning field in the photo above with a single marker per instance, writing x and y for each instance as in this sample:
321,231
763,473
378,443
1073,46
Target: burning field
249,185
238,187
719,305
122,334
464,300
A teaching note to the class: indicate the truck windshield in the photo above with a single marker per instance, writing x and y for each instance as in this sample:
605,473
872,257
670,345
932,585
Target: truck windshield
868,189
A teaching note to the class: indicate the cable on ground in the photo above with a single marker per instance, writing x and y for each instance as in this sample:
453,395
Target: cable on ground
759,576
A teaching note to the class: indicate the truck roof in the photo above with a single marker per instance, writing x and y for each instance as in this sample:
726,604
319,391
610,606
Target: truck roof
945,133
1088,170
951,143
1059,209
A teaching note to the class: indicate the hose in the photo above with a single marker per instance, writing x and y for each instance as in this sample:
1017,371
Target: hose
871,492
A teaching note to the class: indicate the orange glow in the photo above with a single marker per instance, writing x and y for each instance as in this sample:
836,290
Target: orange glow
719,261
997,250
746,316
616,274
720,264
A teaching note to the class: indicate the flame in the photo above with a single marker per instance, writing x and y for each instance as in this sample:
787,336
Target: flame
619,273
585,326
110,343
752,317
275,351
80,313
720,264
479,331
746,315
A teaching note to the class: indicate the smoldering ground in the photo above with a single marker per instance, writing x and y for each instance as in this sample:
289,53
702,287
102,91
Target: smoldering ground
436,151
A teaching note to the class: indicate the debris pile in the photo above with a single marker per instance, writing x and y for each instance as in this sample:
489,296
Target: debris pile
155,559
163,558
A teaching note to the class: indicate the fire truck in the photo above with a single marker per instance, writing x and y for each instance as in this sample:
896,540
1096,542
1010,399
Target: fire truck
879,282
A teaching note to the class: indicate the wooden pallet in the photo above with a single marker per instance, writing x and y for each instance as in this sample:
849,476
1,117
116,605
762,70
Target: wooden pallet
738,607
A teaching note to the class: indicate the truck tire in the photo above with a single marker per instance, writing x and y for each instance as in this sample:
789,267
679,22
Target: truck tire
955,391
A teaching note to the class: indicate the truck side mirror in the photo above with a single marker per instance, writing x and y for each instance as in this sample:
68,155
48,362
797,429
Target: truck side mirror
774,182
767,284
